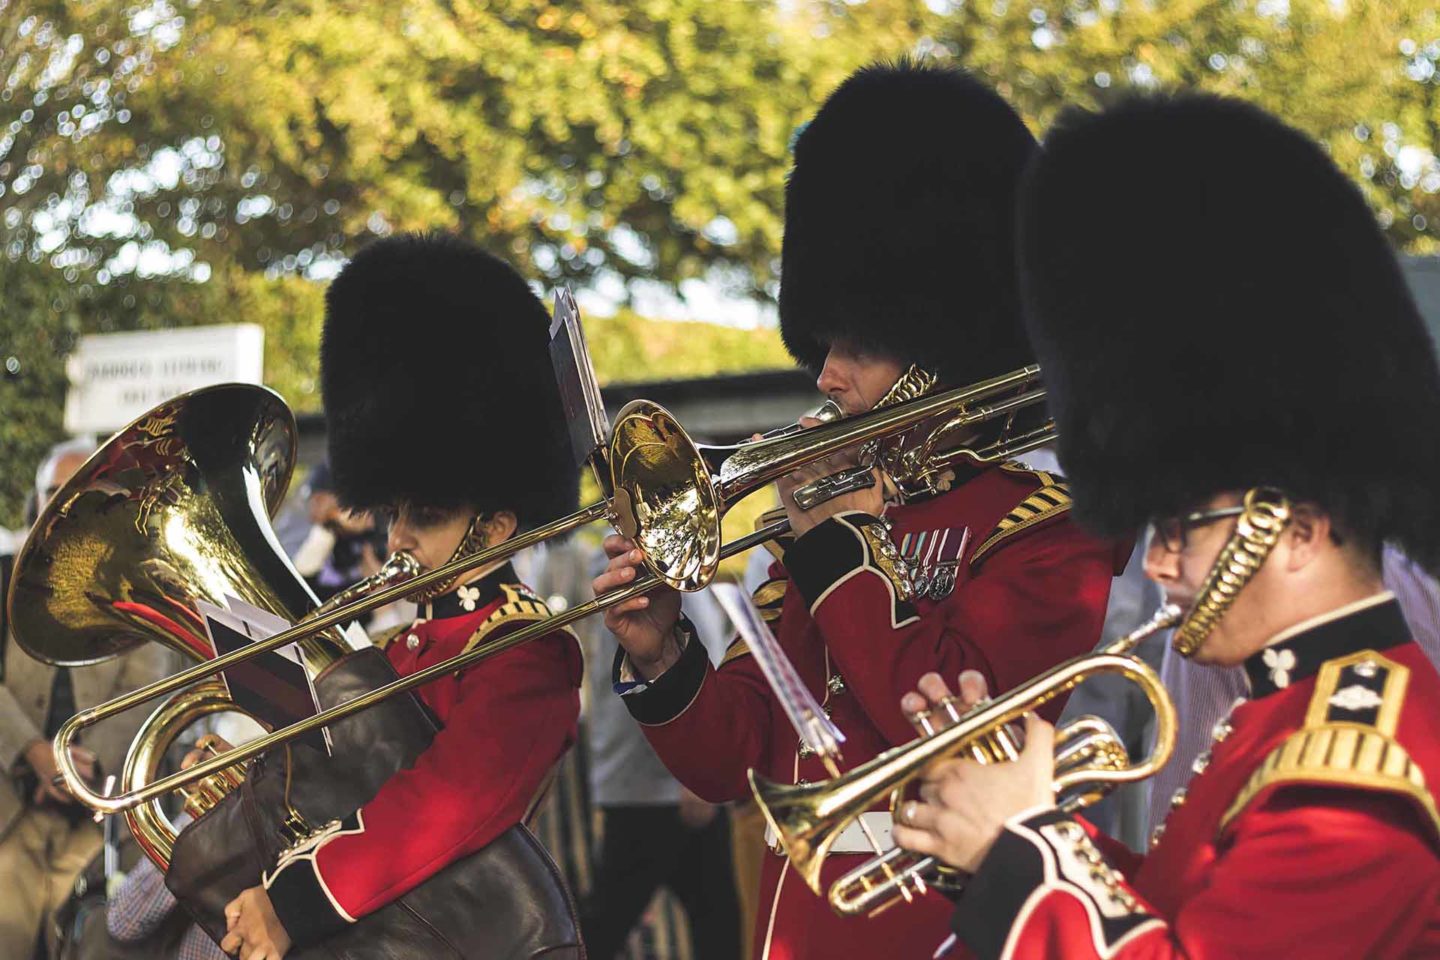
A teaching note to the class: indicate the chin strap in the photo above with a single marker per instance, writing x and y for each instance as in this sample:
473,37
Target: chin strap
472,542
1267,514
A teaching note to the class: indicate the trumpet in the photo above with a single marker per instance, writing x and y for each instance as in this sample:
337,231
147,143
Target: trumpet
1090,761
178,499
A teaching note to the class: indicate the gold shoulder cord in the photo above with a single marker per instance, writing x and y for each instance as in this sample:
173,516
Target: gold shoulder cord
1267,513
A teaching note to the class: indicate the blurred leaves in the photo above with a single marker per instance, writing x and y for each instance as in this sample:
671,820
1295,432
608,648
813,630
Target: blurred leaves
168,162
638,139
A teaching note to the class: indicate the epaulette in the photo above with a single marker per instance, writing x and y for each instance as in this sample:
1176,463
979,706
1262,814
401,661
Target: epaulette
778,545
384,637
770,598
1348,739
1052,500
520,606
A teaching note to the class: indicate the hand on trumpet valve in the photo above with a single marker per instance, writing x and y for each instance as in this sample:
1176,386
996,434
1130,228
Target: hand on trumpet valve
963,803
870,500
645,625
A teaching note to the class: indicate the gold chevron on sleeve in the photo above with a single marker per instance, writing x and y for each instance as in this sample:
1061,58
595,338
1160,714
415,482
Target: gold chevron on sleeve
1045,504
1334,748
770,598
735,651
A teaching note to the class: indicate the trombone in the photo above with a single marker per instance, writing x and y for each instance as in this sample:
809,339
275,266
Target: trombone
1090,761
662,490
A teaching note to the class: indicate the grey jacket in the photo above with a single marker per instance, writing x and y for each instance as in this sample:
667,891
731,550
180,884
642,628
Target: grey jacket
25,703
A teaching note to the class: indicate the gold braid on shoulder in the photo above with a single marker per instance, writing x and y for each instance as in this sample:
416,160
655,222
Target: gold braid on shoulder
1267,513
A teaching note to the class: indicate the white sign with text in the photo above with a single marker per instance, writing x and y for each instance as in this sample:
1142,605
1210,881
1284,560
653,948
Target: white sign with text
115,377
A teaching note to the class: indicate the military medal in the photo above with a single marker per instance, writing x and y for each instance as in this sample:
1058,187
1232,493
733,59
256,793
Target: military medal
912,546
948,551
932,558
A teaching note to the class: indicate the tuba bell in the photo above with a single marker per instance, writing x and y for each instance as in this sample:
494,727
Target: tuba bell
172,511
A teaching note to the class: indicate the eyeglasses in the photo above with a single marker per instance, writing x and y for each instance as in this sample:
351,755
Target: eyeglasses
1172,531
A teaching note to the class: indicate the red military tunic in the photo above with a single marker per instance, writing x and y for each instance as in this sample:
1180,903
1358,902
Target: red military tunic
1307,830
505,722
1030,590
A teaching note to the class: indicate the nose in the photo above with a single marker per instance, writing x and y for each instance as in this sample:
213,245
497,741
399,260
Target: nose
834,375
398,537
1161,565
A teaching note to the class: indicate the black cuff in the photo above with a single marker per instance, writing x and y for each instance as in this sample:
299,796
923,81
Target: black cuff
825,553
301,904
1048,850
993,898
837,547
671,693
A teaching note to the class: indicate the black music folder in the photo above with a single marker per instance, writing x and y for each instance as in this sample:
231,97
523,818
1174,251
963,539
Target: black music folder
579,391
272,687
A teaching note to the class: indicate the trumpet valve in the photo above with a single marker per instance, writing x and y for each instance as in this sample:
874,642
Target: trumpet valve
921,721
951,708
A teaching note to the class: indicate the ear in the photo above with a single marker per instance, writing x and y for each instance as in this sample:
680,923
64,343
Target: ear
1307,538
499,527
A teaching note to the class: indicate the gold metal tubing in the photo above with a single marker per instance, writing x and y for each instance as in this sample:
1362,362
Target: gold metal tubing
807,818
254,748
305,628
739,475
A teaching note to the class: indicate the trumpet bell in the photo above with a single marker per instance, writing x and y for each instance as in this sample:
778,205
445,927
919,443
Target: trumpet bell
173,510
797,817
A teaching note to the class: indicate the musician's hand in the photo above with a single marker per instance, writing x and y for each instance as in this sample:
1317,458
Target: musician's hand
200,752
645,626
963,805
254,932
932,691
41,758
870,500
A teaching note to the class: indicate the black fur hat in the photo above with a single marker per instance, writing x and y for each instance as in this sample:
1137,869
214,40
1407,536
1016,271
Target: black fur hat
899,224
1215,308
435,369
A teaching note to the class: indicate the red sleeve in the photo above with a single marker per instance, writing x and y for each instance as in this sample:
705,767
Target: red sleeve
1325,872
708,726
514,717
1033,603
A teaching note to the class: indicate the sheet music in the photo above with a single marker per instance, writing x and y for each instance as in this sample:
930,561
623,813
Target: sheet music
815,729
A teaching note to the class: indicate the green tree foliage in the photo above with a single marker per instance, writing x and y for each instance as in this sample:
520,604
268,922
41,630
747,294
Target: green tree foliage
634,138
1360,77
145,144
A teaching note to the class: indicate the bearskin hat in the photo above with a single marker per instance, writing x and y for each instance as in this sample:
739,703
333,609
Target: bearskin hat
1216,308
438,390
899,224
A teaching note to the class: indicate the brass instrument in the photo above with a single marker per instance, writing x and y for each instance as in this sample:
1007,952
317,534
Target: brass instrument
1090,760
172,511
150,515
